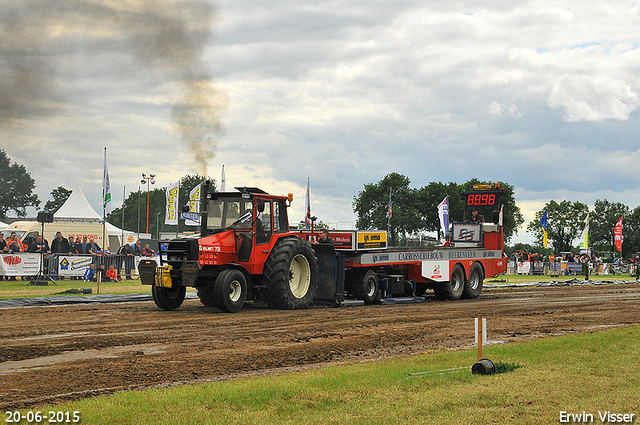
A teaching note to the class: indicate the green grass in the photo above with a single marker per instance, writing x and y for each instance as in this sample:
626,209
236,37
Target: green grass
589,372
520,278
22,289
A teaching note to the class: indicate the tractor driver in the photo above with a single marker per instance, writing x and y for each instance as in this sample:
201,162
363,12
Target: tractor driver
243,246
476,218
324,238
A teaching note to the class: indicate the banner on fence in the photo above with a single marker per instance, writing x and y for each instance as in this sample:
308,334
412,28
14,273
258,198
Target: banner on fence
73,266
20,264
524,267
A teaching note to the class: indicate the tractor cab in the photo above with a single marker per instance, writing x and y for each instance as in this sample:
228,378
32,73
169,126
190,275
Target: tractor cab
241,227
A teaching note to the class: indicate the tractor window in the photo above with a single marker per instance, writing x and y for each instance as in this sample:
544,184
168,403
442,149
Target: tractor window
263,224
280,222
224,212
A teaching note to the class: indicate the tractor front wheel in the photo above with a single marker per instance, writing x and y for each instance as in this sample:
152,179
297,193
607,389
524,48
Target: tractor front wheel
168,298
230,290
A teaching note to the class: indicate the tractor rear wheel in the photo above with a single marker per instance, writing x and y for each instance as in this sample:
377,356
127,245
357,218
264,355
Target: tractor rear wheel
451,290
206,295
290,275
168,298
367,289
230,290
473,286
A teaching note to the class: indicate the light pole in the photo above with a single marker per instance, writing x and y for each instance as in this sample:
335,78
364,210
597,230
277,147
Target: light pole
149,180
157,225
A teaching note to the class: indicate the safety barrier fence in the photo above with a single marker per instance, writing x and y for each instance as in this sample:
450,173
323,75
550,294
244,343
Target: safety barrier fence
567,268
58,266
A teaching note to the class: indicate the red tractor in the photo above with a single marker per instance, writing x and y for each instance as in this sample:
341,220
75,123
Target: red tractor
245,250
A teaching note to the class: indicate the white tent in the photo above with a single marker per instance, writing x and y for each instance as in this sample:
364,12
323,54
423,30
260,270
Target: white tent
3,225
77,208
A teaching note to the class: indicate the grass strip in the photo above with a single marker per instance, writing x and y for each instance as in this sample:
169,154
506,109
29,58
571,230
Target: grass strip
590,373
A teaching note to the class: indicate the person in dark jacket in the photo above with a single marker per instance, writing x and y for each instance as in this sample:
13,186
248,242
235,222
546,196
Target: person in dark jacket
92,247
59,245
39,246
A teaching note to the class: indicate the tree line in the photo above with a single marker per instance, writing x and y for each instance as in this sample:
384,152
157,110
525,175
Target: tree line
414,210
566,221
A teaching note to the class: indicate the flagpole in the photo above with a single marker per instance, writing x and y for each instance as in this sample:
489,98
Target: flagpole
124,189
104,200
177,203
389,213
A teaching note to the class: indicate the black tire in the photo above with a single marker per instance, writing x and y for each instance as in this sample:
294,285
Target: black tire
168,298
453,289
367,288
473,285
230,290
206,295
290,275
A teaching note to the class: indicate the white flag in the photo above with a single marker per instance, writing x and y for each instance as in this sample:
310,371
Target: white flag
223,181
106,186
443,213
171,215
194,205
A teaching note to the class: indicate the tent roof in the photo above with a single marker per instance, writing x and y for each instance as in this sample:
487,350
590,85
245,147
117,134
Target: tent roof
77,206
3,225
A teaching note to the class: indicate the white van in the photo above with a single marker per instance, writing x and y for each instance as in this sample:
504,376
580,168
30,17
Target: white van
28,230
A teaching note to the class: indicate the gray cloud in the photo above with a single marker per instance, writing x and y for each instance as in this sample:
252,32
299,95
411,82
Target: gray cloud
44,43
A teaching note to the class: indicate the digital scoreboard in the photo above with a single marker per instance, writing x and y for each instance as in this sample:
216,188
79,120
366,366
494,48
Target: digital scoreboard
482,198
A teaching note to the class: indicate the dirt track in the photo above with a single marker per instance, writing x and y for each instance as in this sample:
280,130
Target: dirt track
53,354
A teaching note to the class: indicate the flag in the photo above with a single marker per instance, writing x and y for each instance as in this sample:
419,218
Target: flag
106,186
194,205
223,181
618,235
171,214
443,213
584,237
307,207
543,223
389,207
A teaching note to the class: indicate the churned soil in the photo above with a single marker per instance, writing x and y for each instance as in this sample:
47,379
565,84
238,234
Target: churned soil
58,353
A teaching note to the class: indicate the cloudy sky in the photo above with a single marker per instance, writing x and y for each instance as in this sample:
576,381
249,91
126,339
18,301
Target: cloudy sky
540,94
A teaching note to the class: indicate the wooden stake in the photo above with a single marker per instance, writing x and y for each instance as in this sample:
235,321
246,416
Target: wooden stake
479,337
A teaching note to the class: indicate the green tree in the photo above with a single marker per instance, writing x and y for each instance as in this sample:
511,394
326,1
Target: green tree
431,195
317,225
631,234
602,223
565,222
371,205
60,196
17,188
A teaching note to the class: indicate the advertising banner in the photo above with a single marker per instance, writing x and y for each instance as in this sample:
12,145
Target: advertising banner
171,214
466,232
19,264
194,207
524,267
73,266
